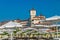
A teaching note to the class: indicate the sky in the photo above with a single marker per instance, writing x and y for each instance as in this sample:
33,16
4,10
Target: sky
19,9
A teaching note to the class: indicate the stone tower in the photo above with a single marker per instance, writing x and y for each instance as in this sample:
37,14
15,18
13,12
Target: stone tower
32,15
